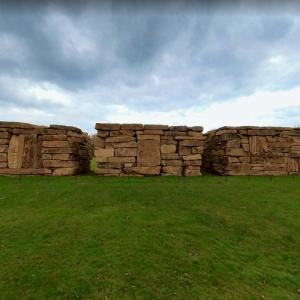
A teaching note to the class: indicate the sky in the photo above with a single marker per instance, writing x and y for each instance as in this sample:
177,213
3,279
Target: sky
191,63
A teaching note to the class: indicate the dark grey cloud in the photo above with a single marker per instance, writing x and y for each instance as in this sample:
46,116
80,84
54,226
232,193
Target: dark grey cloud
173,55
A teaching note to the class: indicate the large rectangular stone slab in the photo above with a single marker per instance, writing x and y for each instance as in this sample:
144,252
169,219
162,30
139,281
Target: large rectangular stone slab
148,153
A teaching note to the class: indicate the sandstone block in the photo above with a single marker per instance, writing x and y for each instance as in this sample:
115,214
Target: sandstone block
170,156
4,135
3,164
183,150
124,145
107,126
132,126
4,141
159,127
62,156
57,150
167,149
103,133
192,157
3,157
148,153
148,137
192,171
104,152
196,128
195,134
126,152
54,137
60,164
99,142
198,149
55,144
119,139
234,144
172,170
122,159
65,172
178,128
192,163
235,152
191,143
143,170
153,132
3,148
171,162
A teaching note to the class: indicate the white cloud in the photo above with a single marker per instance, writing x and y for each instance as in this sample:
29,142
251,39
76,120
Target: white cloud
260,109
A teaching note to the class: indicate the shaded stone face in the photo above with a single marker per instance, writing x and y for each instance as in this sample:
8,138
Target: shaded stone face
38,150
252,151
148,153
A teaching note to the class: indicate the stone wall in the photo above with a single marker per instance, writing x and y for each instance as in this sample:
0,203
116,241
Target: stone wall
253,151
30,149
137,149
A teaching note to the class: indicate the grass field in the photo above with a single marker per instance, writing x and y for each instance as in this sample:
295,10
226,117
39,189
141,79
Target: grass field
91,237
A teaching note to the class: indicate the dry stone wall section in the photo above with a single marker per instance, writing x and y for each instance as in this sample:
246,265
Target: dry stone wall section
137,149
27,149
253,151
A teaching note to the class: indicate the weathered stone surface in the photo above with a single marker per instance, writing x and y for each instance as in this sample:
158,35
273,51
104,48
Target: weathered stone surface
148,137
55,144
178,128
54,137
3,164
107,126
196,128
3,148
119,139
159,127
171,162
4,141
170,156
191,143
153,132
167,149
124,145
144,170
192,171
196,134
123,159
104,152
172,170
125,152
65,171
132,126
14,171
3,157
192,157
148,153
60,164
4,135
235,152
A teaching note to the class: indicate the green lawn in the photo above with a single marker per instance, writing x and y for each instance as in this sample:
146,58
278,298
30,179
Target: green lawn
91,237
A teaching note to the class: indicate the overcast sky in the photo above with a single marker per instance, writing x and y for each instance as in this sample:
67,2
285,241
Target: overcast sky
195,64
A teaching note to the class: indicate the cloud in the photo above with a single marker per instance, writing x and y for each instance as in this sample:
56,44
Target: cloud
88,62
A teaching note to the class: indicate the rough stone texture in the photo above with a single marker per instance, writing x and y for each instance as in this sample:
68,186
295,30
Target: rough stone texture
27,149
141,150
253,151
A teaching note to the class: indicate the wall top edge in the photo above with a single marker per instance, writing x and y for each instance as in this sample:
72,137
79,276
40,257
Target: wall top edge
225,128
20,125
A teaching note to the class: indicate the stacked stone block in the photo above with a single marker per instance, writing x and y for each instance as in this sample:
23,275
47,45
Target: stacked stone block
137,149
253,151
30,149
